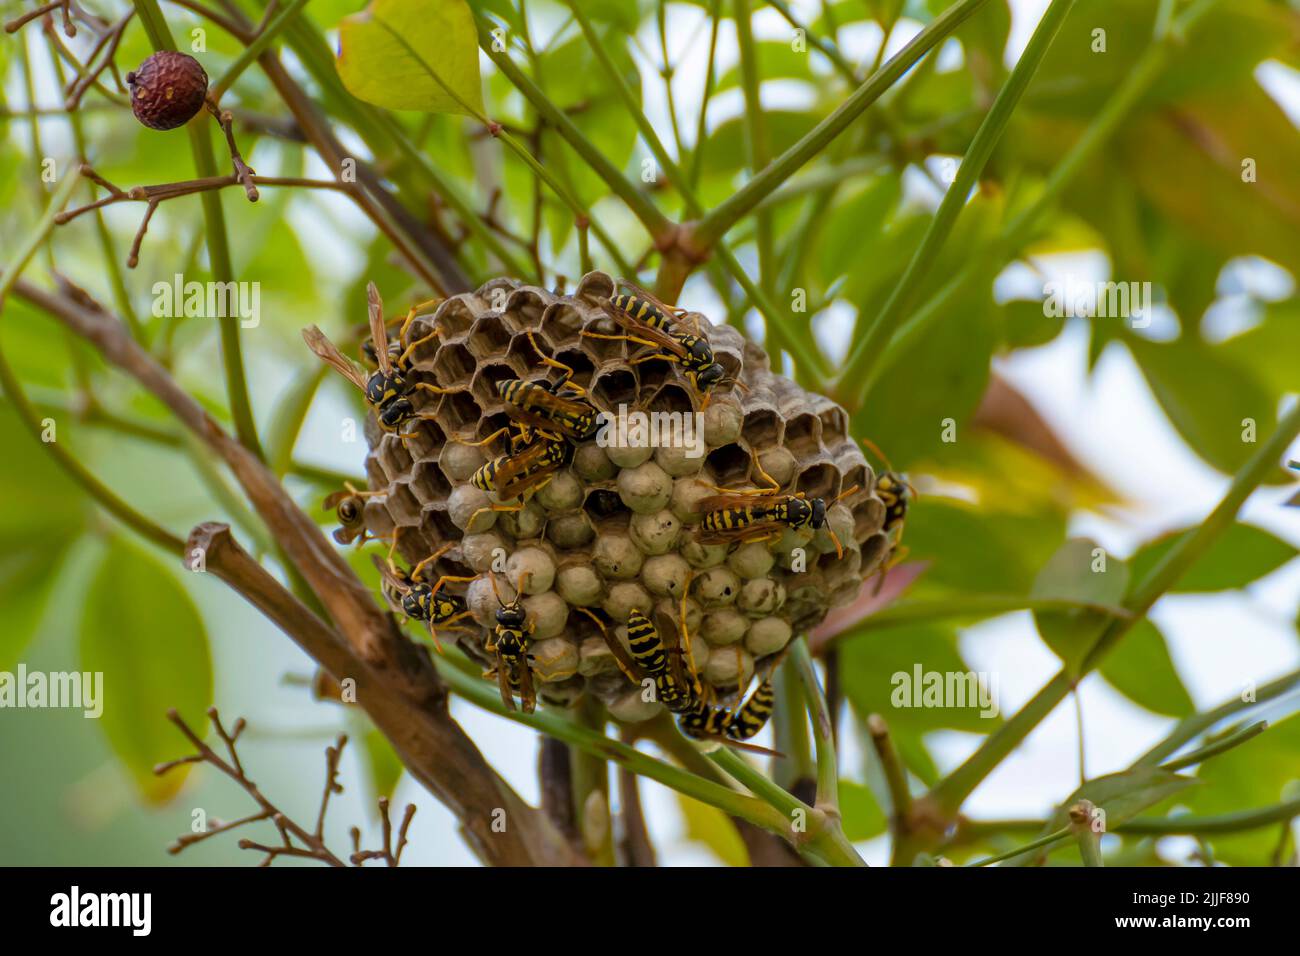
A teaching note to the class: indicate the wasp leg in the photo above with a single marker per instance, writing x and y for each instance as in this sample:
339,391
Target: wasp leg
661,355
448,579
684,640
619,338
494,436
413,313
568,381
501,509
407,352
436,389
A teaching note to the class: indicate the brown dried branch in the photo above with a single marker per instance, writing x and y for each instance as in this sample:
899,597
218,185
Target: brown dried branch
312,844
395,680
634,842
69,29
107,43
390,855
243,172
155,195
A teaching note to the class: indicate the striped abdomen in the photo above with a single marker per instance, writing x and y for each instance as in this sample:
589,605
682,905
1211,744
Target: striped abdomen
751,718
647,646
642,311
727,519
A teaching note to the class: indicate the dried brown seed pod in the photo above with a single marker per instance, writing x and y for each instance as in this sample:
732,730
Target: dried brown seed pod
167,90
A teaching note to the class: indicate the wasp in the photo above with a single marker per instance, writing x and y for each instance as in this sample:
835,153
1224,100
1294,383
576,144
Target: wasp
388,390
349,506
647,321
420,600
677,685
896,492
533,460
758,514
557,408
509,642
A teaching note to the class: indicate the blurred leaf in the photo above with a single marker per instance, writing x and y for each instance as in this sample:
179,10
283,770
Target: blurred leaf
140,629
853,220
1207,398
975,549
1121,795
1141,669
412,55
862,816
382,762
904,674
1075,574
709,826
1025,326
1241,555
777,60
1269,349
27,573
1251,776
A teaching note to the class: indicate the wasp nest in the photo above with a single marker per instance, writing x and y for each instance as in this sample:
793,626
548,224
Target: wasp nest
614,530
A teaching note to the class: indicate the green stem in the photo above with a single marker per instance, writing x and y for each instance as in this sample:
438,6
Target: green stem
973,606
590,777
824,47
756,140
1214,749
867,351
701,125
27,412
716,223
1049,840
828,778
790,734
950,792
1180,825
1020,231
1190,727
483,695
241,411
255,49
654,221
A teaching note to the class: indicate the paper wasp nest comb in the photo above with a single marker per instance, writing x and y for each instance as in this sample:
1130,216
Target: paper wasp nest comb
615,529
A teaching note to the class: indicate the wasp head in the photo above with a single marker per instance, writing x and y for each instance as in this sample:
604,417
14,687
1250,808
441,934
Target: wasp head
710,375
817,508
511,615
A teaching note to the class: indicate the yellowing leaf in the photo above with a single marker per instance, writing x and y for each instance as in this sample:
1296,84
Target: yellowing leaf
710,826
412,55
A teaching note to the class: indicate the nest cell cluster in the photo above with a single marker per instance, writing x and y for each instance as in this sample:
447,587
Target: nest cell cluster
615,530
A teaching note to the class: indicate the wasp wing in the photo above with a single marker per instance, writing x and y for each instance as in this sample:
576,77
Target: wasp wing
643,330
328,353
378,329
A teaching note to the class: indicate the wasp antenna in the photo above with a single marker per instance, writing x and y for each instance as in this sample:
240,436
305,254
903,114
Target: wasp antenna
495,588
839,551
875,450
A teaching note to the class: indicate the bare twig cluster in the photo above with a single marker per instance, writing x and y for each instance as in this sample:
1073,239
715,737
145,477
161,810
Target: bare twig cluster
295,840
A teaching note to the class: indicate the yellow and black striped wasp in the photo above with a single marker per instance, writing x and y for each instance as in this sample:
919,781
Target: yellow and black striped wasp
388,390
647,321
677,686
509,642
560,408
759,514
896,493
533,461
420,600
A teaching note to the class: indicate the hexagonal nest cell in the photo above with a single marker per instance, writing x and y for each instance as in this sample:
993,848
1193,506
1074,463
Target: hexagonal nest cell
616,528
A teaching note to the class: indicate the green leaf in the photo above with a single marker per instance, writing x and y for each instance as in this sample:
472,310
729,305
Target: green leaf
412,55
382,762
1209,399
1241,555
1121,796
879,671
1249,777
862,816
777,60
1141,669
27,573
1074,574
141,630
